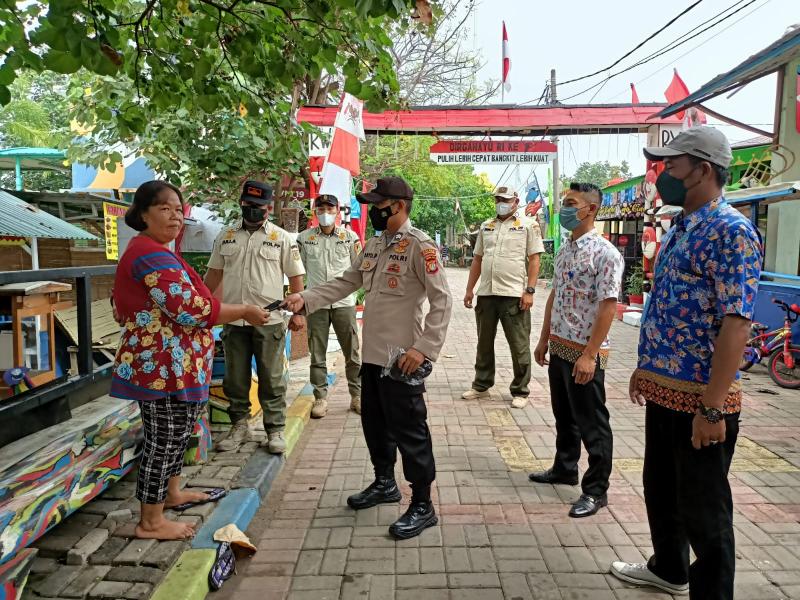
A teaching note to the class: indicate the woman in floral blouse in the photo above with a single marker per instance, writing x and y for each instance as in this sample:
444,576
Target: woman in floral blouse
166,353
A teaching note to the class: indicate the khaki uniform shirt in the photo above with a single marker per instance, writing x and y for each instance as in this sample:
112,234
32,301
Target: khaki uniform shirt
327,256
253,265
398,273
505,247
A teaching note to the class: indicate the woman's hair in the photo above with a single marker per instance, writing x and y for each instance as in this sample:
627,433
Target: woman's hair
146,196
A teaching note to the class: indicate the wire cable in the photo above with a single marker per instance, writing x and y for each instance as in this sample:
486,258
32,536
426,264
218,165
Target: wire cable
666,50
703,43
642,43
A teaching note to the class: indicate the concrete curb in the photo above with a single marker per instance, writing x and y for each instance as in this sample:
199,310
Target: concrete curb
188,577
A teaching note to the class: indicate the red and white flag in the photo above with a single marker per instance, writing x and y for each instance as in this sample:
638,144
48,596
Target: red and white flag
506,60
677,91
342,162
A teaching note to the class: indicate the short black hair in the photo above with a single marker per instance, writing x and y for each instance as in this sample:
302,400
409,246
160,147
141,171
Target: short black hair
722,174
409,205
144,198
586,188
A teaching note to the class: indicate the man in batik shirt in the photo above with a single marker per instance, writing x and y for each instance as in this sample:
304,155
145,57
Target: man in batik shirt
694,330
577,317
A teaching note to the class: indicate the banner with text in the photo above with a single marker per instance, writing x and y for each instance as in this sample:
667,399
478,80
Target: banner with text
112,212
492,152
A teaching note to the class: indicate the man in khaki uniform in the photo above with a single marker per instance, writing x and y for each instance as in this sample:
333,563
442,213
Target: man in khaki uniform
249,261
399,270
506,259
327,251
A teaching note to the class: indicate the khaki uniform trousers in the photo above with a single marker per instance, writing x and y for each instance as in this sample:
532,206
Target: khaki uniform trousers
489,310
345,326
268,344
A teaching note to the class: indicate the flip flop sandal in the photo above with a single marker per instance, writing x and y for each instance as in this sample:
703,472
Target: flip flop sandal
223,568
213,495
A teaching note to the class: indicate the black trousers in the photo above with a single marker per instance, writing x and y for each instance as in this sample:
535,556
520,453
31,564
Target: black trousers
581,415
394,416
689,502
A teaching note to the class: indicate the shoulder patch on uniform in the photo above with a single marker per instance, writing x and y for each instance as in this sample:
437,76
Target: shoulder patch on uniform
431,256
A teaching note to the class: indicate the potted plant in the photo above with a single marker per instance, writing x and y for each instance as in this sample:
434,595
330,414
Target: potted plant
634,288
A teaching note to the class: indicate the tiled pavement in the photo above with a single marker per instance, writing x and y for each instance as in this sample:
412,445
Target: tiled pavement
499,535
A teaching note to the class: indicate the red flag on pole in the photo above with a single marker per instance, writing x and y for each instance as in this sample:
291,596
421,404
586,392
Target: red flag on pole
506,60
677,91
634,95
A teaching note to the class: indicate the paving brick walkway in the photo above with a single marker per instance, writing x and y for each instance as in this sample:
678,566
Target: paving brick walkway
499,535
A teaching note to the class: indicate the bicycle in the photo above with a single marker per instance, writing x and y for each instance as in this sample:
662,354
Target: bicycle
784,357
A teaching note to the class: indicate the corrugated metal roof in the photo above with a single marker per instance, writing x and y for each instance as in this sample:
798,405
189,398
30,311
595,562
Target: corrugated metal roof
18,218
759,140
762,63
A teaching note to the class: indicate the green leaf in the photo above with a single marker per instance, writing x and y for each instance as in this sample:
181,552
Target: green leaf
5,95
202,68
353,86
7,75
207,102
61,62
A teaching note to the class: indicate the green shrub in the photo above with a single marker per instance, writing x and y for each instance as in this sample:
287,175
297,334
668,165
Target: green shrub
546,265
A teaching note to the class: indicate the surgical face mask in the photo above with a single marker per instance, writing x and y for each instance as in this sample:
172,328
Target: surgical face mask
253,214
326,219
671,189
379,217
568,217
504,208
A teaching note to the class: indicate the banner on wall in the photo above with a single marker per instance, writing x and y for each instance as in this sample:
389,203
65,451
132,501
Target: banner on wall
626,201
11,240
112,212
493,152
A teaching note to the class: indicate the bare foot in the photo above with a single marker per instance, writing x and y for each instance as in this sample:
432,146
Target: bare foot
184,496
166,530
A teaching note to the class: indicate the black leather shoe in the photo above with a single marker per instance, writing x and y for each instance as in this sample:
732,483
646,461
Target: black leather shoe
381,491
587,505
550,477
418,517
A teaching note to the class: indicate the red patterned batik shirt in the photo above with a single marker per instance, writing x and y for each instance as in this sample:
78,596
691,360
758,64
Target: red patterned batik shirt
167,347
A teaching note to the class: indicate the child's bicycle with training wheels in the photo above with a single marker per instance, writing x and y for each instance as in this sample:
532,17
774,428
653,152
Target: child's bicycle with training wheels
784,357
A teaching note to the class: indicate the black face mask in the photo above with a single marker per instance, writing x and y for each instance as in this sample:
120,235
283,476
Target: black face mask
253,214
671,189
379,217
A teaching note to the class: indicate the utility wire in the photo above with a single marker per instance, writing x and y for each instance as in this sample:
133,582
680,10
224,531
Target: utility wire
675,42
665,50
642,43
703,43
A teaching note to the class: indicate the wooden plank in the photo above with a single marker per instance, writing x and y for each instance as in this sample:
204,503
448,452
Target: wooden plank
104,327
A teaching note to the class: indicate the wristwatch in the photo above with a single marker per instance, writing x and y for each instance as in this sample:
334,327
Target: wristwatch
712,415
530,290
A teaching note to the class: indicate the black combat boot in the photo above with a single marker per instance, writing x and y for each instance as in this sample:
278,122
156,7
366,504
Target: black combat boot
419,516
381,491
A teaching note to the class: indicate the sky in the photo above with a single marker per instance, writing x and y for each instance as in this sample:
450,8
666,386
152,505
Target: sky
577,37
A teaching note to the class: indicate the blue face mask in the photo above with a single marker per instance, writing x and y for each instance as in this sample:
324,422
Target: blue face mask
568,217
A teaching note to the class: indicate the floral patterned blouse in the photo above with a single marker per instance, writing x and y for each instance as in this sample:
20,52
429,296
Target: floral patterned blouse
167,346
